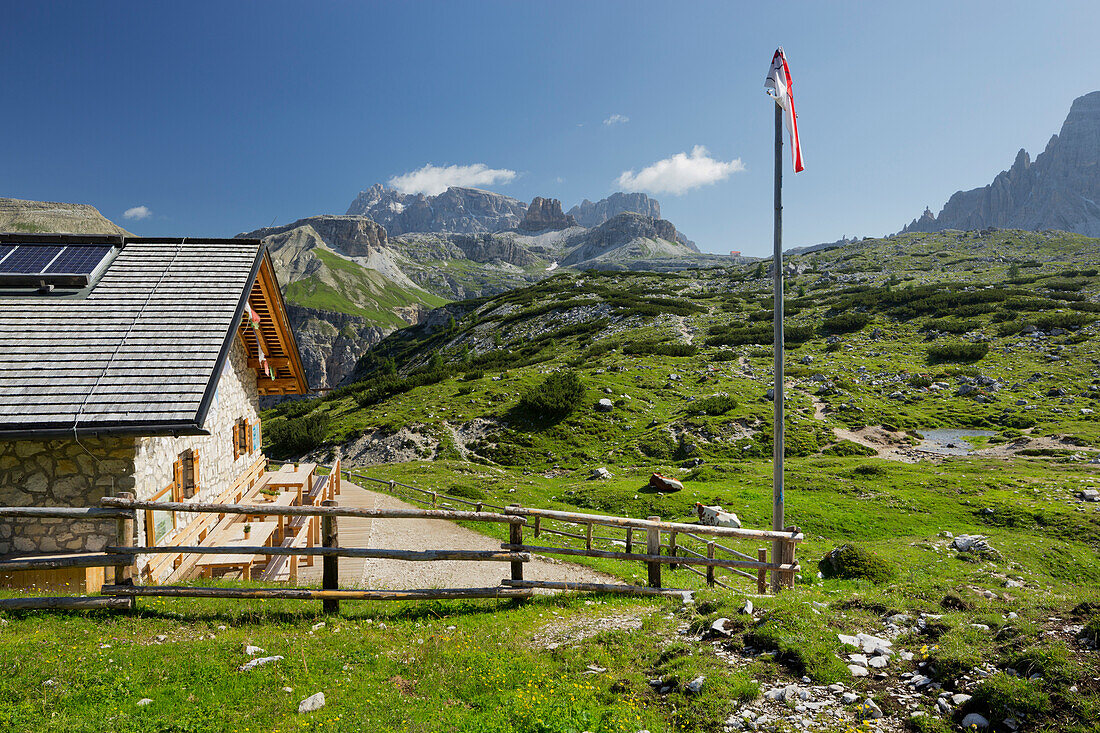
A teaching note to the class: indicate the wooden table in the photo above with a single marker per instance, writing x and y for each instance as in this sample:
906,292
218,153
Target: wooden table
261,534
287,479
285,498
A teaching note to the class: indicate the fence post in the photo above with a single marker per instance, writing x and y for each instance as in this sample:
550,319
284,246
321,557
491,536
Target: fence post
672,548
762,573
788,558
515,537
653,547
588,536
710,568
330,564
124,537
629,540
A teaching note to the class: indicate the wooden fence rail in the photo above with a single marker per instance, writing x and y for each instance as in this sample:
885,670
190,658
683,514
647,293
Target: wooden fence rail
674,552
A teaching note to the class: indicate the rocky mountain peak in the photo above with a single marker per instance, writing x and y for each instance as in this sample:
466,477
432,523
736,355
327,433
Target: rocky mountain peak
545,215
590,214
1060,189
460,210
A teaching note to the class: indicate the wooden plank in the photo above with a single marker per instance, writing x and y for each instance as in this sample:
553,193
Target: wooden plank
64,602
309,511
663,559
63,512
378,554
53,561
638,590
311,594
761,577
612,521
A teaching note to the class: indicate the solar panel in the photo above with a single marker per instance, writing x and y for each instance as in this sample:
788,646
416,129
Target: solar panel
30,259
4,249
79,259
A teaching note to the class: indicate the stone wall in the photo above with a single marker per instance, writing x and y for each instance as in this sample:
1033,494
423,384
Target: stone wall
61,473
237,397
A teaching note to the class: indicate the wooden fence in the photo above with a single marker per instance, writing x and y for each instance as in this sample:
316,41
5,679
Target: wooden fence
672,544
693,548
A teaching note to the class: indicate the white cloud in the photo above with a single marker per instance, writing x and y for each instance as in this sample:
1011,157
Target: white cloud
434,179
616,119
680,173
137,212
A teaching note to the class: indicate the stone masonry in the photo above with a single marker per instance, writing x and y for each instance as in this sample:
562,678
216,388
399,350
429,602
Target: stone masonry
61,473
68,472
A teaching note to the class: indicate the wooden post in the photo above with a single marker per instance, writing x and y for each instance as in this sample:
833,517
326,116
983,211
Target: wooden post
435,497
710,568
653,547
672,548
588,536
330,564
761,574
515,537
538,525
788,559
629,540
124,537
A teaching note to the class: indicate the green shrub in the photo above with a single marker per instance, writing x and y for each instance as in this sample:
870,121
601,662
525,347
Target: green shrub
852,562
1003,696
1092,629
802,643
662,348
927,724
714,405
920,381
557,397
296,436
845,323
951,325
1053,662
465,491
957,352
846,448
1067,321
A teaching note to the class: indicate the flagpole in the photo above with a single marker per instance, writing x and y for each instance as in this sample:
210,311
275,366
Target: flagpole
777,394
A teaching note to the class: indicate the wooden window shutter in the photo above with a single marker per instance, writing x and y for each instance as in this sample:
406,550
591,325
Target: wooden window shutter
195,471
177,480
236,440
248,435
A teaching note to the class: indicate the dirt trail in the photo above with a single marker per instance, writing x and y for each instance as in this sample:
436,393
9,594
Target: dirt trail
682,328
426,534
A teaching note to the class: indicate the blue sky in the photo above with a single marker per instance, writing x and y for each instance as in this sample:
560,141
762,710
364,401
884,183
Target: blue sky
222,117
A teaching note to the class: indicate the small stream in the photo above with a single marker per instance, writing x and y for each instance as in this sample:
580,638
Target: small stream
951,442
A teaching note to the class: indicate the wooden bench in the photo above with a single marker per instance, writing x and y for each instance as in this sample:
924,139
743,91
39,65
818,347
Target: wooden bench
283,568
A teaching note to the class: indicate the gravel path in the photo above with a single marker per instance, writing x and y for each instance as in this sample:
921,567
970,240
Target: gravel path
426,534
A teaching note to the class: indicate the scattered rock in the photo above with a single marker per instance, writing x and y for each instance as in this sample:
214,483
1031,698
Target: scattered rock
311,703
600,473
976,720
252,650
695,686
604,405
144,701
259,662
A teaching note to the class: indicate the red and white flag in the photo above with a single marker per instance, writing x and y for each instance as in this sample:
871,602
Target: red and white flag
781,88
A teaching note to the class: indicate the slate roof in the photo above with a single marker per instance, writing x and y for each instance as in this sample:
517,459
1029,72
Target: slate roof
141,353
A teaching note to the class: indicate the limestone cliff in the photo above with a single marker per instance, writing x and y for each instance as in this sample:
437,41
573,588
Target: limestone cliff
1060,189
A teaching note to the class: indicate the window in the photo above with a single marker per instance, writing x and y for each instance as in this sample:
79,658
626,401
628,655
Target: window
159,523
242,438
185,475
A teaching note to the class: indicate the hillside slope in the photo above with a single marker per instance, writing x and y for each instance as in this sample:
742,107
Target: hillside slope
18,215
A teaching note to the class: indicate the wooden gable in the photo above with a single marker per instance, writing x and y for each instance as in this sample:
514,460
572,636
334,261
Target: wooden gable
274,338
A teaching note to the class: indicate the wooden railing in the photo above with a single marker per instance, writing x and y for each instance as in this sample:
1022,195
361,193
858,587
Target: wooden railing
673,544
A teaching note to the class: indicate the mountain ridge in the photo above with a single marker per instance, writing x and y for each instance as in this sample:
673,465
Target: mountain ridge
1059,190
